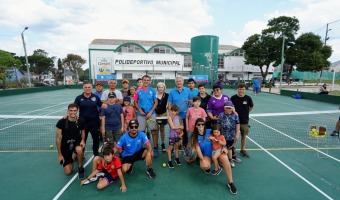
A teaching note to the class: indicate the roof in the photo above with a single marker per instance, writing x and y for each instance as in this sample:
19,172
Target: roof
152,43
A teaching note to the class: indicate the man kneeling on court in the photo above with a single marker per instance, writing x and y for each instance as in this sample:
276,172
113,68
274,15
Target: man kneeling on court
131,147
70,141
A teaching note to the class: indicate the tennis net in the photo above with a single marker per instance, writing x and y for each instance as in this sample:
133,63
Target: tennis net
289,130
293,130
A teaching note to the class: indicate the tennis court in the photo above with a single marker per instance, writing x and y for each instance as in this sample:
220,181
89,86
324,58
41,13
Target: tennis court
285,163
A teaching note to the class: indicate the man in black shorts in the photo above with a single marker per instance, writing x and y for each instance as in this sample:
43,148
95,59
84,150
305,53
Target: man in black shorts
131,147
70,141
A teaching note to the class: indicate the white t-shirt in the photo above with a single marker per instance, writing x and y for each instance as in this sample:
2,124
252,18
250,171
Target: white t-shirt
106,94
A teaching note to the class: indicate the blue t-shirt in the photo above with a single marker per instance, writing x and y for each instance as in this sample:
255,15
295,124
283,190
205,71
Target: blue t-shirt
205,144
181,99
256,83
193,93
131,145
88,107
146,99
228,123
112,117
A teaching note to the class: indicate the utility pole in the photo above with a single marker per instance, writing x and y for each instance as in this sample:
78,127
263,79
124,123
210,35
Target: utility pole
28,68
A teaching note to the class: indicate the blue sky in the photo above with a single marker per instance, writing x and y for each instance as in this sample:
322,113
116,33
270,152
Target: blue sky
63,26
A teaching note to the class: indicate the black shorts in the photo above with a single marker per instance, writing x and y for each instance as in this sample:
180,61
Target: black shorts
230,144
162,121
135,157
68,153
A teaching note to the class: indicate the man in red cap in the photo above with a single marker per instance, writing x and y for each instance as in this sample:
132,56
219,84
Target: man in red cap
125,90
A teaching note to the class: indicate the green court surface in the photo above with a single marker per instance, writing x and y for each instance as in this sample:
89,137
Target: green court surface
285,163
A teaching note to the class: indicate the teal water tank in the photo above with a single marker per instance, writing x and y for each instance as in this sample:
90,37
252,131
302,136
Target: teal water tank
204,50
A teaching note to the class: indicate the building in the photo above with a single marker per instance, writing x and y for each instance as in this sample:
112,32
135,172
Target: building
203,58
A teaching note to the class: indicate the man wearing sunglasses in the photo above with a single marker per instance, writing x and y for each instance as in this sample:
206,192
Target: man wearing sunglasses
130,145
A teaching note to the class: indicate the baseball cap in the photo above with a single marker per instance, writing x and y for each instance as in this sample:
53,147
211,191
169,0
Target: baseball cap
229,104
127,99
99,83
112,95
125,81
134,121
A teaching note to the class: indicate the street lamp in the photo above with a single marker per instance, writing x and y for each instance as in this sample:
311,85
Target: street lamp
28,69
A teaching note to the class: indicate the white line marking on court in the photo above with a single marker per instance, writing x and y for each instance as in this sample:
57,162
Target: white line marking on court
297,140
290,169
13,101
70,181
294,113
290,104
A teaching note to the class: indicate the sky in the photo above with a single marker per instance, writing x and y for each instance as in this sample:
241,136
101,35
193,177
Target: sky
61,27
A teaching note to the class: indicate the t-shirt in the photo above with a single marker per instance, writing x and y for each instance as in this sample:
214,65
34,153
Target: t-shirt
228,124
112,116
70,131
194,114
146,98
111,167
216,105
88,107
204,101
181,99
129,112
131,145
217,145
242,106
161,106
205,144
106,94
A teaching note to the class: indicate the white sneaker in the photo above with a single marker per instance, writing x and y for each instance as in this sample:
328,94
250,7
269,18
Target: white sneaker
232,164
95,178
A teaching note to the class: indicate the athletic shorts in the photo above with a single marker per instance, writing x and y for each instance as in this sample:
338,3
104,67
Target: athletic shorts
135,157
162,121
142,122
173,140
67,154
218,150
113,136
230,144
244,129
108,177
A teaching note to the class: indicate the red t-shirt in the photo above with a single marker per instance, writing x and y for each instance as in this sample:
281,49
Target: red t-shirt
111,167
216,145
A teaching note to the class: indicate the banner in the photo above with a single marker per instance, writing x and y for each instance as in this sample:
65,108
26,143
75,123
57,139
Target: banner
199,78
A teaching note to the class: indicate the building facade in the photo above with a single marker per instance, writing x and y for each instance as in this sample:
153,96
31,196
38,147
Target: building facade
203,58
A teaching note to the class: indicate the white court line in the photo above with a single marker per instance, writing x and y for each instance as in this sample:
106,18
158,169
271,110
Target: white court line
297,140
290,104
70,181
290,169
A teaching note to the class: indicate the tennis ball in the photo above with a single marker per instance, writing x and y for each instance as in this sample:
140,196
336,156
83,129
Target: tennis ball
164,165
51,146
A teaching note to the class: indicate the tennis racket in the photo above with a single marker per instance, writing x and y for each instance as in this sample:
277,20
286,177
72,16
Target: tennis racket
151,125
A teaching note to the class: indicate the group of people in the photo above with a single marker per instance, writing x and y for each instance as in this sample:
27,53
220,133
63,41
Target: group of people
198,122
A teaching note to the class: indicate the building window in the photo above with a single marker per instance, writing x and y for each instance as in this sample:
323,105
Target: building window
220,62
127,75
155,74
187,60
183,74
236,75
239,52
162,50
130,48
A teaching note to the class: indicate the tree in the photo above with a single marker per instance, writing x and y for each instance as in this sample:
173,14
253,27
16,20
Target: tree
312,55
74,62
259,52
6,61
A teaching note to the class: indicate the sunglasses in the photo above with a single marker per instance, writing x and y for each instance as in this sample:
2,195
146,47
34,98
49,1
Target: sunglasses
134,127
200,124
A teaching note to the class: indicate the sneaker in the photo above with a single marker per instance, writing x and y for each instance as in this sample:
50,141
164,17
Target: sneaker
232,188
186,152
177,161
207,171
236,160
163,147
81,172
216,172
232,164
155,152
171,166
151,173
244,153
335,133
130,170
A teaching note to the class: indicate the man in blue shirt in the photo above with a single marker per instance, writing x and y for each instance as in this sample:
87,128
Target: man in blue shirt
88,103
131,147
180,96
193,91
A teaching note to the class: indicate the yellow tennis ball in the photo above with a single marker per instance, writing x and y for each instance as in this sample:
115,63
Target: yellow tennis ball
164,165
51,146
